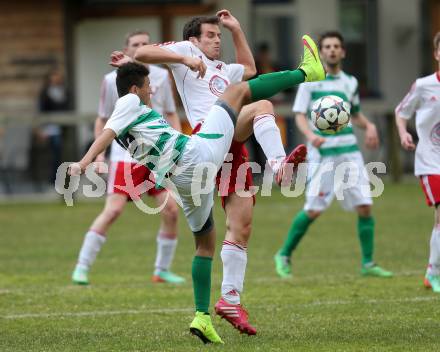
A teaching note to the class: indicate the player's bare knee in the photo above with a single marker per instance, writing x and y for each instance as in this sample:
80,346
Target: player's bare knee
313,214
246,230
437,215
364,210
113,213
237,95
263,107
170,213
240,231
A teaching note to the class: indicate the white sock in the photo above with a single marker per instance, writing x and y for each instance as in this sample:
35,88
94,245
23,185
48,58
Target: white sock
92,244
166,247
268,136
434,252
234,258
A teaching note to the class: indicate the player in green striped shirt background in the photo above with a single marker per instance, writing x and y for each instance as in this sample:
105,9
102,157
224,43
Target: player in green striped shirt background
339,148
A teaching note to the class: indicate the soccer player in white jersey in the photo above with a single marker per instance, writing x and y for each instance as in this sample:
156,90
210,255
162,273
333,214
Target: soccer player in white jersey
177,160
202,40
119,189
337,149
423,101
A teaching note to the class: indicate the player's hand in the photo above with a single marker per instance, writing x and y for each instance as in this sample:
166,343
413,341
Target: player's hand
407,142
100,166
195,64
227,20
74,169
118,58
316,141
371,137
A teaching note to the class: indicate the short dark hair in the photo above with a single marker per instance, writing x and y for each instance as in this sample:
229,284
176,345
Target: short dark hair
436,40
331,34
128,75
132,34
193,28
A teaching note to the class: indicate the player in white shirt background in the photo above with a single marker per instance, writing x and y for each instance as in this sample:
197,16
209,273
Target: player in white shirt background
337,149
122,166
423,102
202,46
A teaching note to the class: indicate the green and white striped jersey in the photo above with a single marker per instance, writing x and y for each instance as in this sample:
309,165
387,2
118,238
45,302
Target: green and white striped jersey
146,135
343,86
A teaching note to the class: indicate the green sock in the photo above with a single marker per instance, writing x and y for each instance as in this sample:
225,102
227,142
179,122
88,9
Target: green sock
297,230
366,237
201,275
269,84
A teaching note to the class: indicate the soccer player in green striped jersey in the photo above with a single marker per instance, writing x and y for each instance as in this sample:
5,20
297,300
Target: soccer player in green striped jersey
339,148
175,159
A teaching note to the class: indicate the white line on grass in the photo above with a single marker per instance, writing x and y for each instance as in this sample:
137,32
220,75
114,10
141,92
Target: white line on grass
297,278
98,313
372,301
315,277
188,310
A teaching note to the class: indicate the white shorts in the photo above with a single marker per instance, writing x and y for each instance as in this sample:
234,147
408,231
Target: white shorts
204,154
342,176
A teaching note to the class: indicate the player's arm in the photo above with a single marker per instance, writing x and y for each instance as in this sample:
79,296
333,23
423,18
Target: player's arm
243,53
303,126
170,105
105,109
405,138
99,127
98,146
153,54
404,111
371,137
174,120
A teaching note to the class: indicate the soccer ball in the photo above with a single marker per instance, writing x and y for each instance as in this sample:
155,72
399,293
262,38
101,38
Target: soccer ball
330,114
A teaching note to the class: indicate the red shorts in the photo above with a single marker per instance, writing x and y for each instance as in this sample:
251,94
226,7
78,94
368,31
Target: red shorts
228,185
131,179
431,188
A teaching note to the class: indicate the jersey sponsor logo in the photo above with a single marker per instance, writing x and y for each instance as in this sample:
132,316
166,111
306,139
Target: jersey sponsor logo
435,134
218,85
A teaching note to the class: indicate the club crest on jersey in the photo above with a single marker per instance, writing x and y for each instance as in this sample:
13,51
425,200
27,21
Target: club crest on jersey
435,134
218,85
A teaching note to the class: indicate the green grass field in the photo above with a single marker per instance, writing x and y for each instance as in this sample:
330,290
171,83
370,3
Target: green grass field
327,306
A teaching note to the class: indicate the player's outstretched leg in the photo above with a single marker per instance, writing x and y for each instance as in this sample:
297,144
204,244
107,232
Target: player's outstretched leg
95,237
267,85
166,241
258,118
309,70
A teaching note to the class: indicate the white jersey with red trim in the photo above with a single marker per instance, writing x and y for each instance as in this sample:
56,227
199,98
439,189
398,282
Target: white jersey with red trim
423,101
162,101
198,95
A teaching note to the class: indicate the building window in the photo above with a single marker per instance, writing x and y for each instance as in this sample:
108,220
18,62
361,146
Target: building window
358,23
